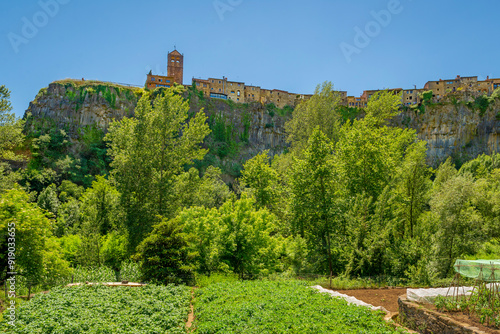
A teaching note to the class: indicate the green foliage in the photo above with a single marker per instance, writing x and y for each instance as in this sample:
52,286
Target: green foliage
99,309
214,278
279,307
114,249
70,248
483,305
426,97
100,214
382,106
163,254
130,271
48,201
84,274
260,179
313,202
148,152
318,111
192,190
245,119
36,255
349,113
482,166
234,238
458,231
481,103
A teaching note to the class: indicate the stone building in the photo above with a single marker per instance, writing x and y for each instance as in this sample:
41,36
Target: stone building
175,72
441,87
175,66
356,102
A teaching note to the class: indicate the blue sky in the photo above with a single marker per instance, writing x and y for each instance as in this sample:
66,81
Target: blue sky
290,45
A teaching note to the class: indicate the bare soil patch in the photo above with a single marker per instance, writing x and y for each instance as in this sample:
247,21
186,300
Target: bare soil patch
386,297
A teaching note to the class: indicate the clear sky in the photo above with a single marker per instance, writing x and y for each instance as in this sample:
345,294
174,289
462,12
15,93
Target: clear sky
289,45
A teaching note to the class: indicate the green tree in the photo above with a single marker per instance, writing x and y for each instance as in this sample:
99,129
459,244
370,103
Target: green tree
412,186
318,111
367,156
382,106
314,186
163,254
10,127
48,200
192,190
100,213
148,152
236,237
260,179
11,136
459,225
27,224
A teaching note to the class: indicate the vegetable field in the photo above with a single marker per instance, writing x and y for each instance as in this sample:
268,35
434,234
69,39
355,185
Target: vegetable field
279,307
99,309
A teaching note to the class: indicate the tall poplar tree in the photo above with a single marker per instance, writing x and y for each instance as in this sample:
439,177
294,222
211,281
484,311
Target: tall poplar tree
148,152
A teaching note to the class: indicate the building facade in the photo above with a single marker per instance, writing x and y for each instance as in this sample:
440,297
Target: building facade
239,92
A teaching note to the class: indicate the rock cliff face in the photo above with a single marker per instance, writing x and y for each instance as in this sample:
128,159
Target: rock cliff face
451,129
455,130
72,106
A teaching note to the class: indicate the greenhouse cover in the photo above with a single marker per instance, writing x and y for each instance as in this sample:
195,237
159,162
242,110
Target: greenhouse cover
485,270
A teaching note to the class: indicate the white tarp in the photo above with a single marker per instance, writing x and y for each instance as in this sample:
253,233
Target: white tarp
429,295
349,299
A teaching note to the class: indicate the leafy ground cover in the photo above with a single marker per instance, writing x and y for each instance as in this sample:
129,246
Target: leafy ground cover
279,307
99,309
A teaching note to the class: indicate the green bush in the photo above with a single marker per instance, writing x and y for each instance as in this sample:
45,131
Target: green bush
163,254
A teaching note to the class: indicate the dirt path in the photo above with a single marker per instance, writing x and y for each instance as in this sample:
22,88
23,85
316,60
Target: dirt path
190,320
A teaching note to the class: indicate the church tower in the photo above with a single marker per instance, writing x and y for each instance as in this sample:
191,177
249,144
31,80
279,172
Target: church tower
175,66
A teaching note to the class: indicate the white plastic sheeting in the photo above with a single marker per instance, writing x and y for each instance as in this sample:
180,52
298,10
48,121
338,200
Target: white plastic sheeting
349,299
429,295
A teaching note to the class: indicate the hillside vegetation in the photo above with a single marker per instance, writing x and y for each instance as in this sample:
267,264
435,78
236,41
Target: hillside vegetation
191,186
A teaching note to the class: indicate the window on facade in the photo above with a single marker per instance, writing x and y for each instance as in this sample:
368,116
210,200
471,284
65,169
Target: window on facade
220,90
232,92
219,81
167,80
238,93
152,78
159,80
204,85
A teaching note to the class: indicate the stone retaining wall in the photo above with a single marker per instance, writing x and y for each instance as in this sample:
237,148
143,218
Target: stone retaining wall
422,320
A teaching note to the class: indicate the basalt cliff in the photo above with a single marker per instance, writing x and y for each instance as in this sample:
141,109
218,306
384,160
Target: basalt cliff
452,129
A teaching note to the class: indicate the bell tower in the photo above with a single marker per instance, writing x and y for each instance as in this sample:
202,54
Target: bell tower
175,66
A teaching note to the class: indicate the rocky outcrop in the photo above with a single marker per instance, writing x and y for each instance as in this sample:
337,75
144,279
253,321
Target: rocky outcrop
69,105
455,129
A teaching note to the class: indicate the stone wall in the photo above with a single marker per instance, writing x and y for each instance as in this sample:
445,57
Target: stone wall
422,320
